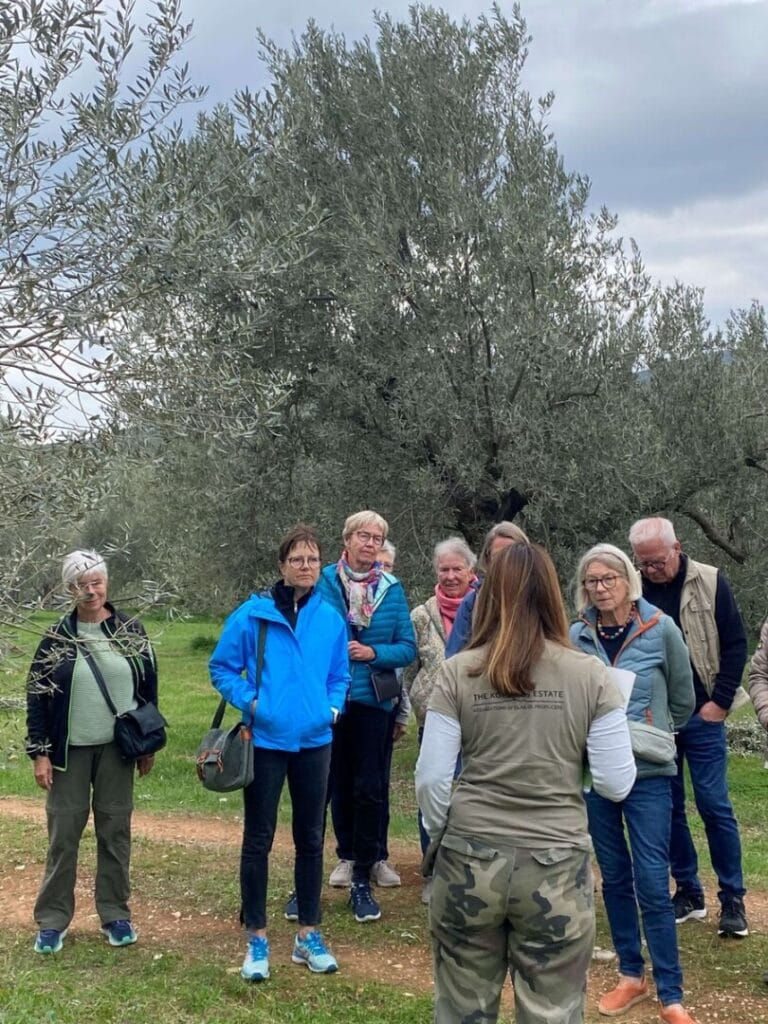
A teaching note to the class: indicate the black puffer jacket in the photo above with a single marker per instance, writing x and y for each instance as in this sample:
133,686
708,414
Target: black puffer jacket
49,685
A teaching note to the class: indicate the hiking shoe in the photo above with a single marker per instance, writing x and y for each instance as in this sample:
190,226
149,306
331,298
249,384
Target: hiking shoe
362,902
384,875
733,919
312,951
341,876
49,940
256,964
119,933
291,912
689,906
675,1013
628,992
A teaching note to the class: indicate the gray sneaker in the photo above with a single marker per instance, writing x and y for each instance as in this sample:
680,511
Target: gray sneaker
384,875
341,876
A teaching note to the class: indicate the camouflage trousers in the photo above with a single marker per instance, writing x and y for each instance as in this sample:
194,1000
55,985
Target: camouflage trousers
529,912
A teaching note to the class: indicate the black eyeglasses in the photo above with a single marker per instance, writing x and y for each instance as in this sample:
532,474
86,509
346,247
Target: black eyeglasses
593,582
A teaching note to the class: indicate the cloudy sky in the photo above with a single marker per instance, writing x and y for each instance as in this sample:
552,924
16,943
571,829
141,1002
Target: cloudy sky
662,103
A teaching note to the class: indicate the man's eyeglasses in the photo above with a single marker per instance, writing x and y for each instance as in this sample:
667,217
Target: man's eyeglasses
655,566
298,562
374,538
593,582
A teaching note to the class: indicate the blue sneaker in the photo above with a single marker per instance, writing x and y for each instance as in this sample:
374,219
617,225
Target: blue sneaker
50,940
256,964
291,911
362,902
119,933
312,951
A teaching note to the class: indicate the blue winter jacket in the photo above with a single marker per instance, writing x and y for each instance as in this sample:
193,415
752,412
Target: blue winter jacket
461,631
390,632
305,673
655,651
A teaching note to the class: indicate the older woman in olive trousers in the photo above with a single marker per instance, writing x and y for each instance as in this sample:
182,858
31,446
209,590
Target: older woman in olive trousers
70,738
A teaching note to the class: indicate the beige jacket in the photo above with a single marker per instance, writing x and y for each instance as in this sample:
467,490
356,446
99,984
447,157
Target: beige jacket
757,680
419,677
697,618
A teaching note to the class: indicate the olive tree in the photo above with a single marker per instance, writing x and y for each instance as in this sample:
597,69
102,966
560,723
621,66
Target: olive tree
70,115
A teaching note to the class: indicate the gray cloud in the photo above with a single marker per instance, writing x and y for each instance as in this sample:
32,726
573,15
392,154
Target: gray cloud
662,103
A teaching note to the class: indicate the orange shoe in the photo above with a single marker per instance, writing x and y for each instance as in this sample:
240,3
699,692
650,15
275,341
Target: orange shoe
675,1013
628,992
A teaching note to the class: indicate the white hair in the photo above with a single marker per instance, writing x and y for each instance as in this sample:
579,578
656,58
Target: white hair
616,559
454,546
390,549
653,528
76,563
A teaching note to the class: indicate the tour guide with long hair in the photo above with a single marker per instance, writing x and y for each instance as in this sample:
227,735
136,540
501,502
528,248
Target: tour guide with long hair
513,886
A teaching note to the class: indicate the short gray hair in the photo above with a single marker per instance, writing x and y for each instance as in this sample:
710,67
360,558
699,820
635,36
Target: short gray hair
653,528
454,546
390,549
616,559
76,563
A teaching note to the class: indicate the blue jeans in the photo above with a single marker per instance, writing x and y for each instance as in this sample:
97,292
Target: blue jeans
307,773
362,744
703,745
639,878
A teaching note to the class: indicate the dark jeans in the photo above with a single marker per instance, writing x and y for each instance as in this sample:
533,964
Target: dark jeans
307,773
383,853
702,744
362,739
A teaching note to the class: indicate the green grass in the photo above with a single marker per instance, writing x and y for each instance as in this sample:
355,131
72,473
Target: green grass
193,976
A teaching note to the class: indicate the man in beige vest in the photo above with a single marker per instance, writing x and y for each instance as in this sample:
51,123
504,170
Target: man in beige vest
700,600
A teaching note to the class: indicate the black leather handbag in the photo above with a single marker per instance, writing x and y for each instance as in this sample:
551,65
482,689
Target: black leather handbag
138,732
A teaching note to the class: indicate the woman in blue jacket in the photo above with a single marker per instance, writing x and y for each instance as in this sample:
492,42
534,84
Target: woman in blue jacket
291,710
627,632
373,610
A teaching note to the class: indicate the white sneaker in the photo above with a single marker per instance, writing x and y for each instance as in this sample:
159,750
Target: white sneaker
341,876
384,875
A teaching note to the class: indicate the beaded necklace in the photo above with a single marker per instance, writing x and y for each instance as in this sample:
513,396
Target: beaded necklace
606,632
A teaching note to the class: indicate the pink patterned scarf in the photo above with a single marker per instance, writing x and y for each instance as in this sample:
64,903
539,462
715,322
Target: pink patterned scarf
360,588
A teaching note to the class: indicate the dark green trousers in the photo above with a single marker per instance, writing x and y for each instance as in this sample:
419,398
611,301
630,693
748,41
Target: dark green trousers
497,910
95,776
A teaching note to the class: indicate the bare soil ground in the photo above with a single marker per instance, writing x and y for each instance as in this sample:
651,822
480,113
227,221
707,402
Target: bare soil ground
728,1001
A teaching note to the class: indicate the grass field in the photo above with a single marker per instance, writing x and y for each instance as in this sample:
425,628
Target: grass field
185,967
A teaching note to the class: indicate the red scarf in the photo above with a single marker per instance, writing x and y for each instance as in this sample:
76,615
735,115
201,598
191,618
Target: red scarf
448,606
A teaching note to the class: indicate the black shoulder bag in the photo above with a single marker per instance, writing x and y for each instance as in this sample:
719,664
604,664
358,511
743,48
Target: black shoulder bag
139,732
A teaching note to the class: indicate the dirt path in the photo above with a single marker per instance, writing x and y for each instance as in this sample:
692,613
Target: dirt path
410,964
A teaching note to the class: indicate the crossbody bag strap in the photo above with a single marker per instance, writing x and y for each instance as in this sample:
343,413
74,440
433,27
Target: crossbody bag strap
93,666
218,717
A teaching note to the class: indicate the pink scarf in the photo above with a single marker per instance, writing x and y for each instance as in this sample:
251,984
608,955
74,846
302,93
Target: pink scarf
448,606
360,588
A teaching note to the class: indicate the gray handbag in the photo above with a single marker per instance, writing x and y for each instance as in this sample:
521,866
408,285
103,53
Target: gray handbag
224,758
